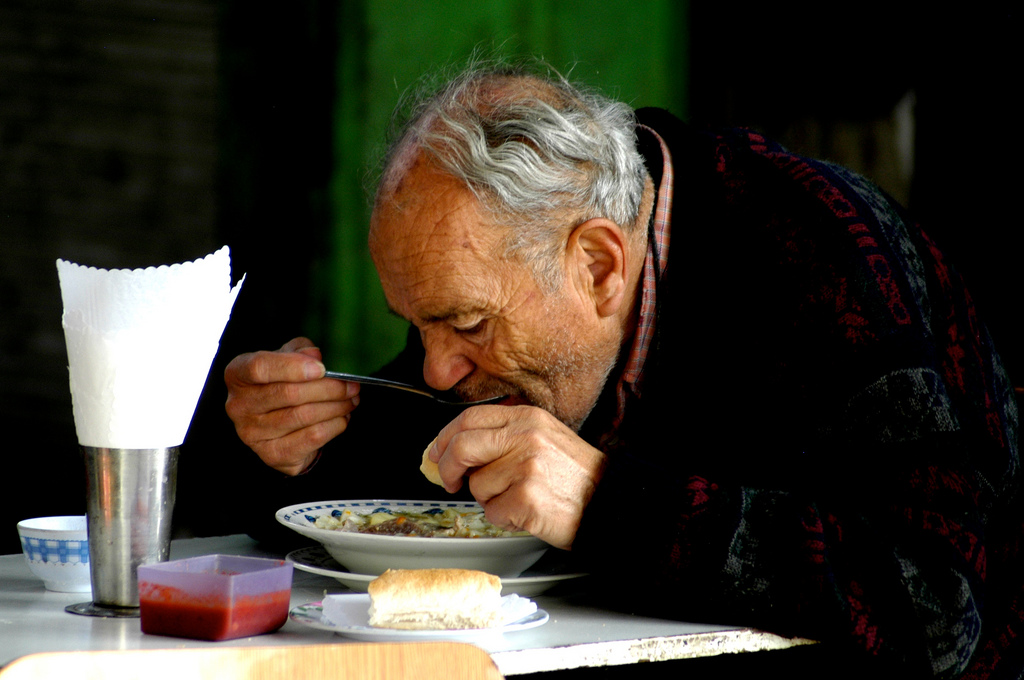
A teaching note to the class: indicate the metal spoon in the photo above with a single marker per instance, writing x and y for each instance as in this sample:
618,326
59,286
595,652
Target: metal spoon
380,382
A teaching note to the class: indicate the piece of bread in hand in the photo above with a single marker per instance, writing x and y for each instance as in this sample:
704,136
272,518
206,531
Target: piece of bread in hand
429,467
435,599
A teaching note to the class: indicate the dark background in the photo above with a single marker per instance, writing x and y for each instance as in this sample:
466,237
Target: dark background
140,133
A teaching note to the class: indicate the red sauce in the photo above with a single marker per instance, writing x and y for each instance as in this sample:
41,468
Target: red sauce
170,611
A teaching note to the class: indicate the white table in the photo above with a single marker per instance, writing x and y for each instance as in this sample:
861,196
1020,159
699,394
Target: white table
33,619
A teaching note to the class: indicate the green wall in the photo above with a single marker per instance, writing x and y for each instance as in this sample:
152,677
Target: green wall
633,50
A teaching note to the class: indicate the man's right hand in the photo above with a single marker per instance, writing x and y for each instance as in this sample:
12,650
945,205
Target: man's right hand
282,406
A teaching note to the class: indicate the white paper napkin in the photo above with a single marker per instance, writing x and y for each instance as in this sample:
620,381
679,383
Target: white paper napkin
140,344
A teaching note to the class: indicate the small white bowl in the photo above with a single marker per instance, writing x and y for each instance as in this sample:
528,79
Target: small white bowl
57,551
372,554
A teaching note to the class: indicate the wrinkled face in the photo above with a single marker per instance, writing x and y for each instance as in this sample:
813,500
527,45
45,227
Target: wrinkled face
487,327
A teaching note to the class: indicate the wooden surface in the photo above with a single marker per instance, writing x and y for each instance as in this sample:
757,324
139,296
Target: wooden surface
416,661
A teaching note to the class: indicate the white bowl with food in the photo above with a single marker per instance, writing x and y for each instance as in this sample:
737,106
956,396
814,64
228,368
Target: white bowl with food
372,536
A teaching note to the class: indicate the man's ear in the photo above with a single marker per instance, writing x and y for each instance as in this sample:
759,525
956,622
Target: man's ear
598,248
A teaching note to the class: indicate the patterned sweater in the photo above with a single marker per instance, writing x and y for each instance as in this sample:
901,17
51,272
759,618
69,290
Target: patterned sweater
826,442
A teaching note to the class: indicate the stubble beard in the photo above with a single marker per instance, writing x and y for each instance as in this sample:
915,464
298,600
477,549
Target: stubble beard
577,376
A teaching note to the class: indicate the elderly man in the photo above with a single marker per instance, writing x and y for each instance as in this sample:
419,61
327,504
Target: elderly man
743,375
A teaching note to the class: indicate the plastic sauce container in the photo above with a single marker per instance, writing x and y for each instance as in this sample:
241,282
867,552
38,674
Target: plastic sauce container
214,597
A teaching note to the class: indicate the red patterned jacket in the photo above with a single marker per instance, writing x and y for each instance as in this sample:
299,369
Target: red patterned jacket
826,444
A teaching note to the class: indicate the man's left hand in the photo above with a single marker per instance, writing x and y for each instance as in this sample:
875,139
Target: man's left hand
527,469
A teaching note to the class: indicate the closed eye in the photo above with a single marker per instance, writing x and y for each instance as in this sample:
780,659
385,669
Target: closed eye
471,330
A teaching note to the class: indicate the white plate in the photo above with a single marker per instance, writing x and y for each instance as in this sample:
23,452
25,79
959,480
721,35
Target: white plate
355,623
316,560
375,553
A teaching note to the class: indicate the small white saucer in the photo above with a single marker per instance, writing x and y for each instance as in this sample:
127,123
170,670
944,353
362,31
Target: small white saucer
355,624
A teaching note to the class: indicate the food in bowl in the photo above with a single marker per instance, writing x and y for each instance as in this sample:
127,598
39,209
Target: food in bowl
373,554
447,522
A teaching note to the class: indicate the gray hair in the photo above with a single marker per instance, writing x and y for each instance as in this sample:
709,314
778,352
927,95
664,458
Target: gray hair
539,153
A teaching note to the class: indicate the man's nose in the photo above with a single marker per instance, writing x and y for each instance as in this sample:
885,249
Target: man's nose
444,364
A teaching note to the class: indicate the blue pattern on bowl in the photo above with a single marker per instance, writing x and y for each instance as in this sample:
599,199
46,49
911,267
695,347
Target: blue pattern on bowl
48,550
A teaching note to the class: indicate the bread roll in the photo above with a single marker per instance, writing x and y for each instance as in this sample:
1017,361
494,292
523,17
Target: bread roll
429,467
435,599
